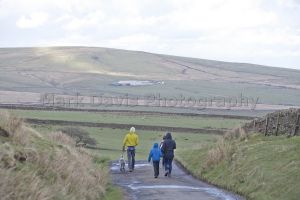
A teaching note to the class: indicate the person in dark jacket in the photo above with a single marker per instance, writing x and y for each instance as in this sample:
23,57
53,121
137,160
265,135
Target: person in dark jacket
155,155
168,151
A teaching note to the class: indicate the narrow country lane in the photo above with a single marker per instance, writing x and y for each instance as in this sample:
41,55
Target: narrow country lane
141,184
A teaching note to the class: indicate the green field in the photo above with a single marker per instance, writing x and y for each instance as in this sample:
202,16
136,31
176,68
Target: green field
111,140
131,118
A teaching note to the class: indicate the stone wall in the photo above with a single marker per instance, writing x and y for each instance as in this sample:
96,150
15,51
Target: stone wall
283,122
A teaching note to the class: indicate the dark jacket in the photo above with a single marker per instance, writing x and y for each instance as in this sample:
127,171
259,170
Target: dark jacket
155,153
168,147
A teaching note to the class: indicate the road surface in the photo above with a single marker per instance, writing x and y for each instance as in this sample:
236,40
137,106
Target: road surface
141,184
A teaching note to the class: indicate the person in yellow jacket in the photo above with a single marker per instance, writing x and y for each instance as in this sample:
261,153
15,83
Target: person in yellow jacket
130,141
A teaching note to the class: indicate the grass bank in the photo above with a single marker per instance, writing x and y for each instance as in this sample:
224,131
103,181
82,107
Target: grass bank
38,166
255,166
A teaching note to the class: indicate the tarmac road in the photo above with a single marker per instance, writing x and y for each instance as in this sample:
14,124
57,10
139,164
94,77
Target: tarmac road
141,185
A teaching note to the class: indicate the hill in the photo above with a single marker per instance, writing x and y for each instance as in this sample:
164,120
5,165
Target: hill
98,71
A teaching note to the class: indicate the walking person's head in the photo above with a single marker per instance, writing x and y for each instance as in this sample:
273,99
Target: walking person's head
132,130
168,136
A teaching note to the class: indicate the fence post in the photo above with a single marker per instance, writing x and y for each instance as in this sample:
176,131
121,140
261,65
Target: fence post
267,123
296,125
277,124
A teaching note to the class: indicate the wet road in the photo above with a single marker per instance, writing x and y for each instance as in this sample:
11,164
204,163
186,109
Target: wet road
141,184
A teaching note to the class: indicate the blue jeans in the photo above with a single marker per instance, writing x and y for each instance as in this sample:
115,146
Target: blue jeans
131,158
168,165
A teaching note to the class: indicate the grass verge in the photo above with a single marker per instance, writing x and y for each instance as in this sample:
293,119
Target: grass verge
37,166
113,193
255,166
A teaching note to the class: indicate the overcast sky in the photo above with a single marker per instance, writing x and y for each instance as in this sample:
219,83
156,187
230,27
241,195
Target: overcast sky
254,31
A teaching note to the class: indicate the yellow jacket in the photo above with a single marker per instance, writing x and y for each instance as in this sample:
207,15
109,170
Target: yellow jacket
131,139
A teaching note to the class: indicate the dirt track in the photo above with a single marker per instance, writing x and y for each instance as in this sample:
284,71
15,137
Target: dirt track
141,184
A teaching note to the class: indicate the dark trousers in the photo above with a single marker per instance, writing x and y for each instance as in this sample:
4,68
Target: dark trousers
163,161
168,164
131,159
156,168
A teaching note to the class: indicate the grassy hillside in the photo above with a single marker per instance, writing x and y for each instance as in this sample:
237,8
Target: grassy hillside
257,167
35,166
93,70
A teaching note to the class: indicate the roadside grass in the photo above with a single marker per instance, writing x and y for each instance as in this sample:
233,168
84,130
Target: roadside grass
129,118
257,167
113,193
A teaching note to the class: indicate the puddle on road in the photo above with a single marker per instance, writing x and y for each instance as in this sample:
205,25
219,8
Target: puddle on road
116,166
162,187
212,191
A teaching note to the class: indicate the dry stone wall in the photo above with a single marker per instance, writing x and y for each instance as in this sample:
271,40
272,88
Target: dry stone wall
283,122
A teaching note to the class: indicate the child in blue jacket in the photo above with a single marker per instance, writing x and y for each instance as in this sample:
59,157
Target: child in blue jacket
155,155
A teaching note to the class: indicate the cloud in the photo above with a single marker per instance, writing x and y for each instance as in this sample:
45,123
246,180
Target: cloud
140,42
214,15
258,31
290,3
32,21
72,23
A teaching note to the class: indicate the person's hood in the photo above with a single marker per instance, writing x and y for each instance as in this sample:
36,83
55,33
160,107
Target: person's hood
168,136
155,146
132,130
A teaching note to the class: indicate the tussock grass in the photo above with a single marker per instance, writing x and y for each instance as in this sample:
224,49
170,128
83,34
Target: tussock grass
14,127
238,133
61,138
23,184
38,167
225,147
222,151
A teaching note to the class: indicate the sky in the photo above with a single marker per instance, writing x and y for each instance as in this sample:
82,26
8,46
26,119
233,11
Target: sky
263,32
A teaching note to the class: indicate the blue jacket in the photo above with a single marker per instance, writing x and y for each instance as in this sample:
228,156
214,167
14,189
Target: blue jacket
155,153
